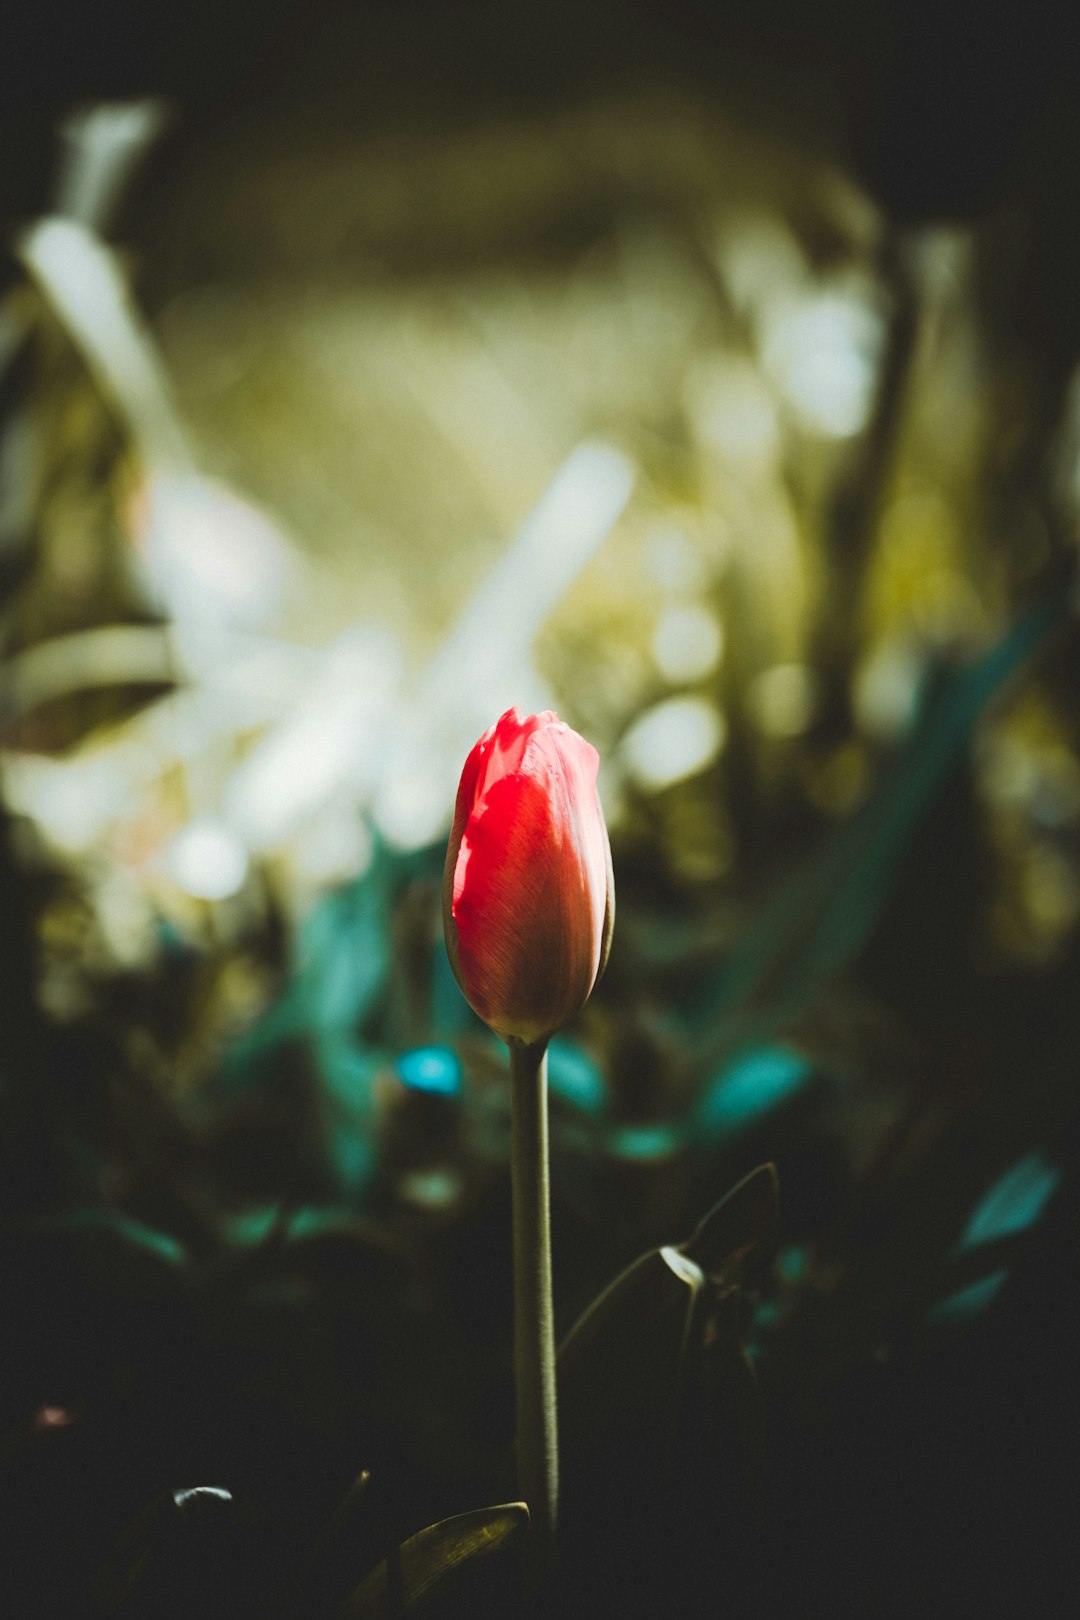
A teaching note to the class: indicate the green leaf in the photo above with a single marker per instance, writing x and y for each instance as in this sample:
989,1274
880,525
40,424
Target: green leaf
659,1416
129,1558
437,1563
620,1379
336,1553
746,1219
178,1554
353,1505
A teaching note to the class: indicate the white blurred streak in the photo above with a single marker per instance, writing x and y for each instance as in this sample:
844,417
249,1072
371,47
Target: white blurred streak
675,563
207,552
241,693
100,149
344,731
252,677
887,686
495,633
212,555
85,284
207,860
114,655
783,700
687,642
336,736
214,563
239,684
820,344
333,847
734,412
485,664
249,680
822,352
671,741
761,261
74,801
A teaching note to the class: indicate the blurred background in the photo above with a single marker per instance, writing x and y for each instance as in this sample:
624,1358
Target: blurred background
708,373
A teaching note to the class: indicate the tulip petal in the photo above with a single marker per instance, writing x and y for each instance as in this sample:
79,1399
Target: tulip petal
528,895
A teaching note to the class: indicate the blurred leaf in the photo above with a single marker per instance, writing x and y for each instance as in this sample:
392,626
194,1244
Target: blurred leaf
971,1301
659,1139
574,1077
336,1553
102,1231
621,1374
343,955
1014,1202
748,1218
342,1521
450,1012
968,1281
127,1561
758,1081
658,1292
435,1565
349,1071
622,1361
341,963
717,1503
178,1555
433,1070
652,1381
821,916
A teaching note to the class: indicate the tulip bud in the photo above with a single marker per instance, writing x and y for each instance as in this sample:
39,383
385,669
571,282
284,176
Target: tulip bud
528,891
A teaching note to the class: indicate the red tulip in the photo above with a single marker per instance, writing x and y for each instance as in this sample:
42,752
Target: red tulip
528,893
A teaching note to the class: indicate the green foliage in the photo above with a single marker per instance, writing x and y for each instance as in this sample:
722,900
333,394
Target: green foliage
814,924
433,1571
660,1424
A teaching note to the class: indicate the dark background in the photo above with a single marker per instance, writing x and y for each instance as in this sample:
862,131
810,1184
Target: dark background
937,107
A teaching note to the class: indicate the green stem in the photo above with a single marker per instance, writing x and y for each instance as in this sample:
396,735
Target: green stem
534,1317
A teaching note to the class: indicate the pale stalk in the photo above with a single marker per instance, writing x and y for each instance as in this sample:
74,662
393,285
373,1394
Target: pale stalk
534,1317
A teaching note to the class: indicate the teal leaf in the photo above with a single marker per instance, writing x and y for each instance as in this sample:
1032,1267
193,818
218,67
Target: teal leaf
1014,1202
969,1302
134,1236
450,1012
435,1070
751,1086
343,956
644,1143
574,1077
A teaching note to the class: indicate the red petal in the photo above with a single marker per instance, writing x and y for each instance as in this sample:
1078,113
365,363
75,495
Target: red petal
527,891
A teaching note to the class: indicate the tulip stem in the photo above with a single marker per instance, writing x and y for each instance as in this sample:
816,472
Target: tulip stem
534,1316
